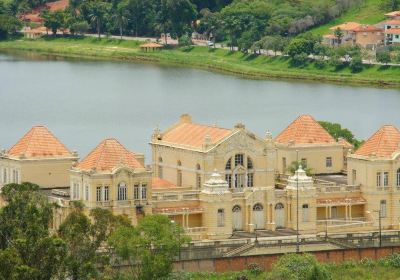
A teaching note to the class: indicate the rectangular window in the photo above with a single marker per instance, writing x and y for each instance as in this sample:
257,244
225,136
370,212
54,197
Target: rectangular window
5,176
228,178
160,172
354,176
136,192
75,191
221,218
106,193
378,179
385,179
284,165
144,191
198,181
304,163
250,180
305,212
86,192
239,159
329,162
239,180
179,178
98,193
383,208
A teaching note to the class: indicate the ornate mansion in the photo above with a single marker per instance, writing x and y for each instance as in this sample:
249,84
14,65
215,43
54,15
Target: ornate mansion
217,182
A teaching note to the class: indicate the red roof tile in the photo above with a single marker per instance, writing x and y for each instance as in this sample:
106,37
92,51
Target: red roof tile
393,14
367,28
382,144
393,31
39,142
345,143
108,155
305,130
392,21
189,134
347,26
57,5
158,183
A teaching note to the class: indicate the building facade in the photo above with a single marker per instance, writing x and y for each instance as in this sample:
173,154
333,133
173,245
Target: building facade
114,178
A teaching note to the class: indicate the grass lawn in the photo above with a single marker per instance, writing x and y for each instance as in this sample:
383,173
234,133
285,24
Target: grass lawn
339,272
237,63
367,13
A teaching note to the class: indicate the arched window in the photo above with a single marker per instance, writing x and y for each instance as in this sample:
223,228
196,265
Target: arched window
236,208
398,178
242,175
179,163
279,206
198,176
122,191
258,207
160,168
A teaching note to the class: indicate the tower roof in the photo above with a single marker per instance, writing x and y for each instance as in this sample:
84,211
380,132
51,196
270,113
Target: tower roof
107,155
305,130
382,143
39,142
187,133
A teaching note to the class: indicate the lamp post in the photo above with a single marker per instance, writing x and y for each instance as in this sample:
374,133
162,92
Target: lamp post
297,204
380,226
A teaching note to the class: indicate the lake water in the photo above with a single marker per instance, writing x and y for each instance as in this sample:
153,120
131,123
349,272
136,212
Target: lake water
83,102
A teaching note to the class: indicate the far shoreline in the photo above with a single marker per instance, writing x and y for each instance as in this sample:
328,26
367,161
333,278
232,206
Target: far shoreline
235,64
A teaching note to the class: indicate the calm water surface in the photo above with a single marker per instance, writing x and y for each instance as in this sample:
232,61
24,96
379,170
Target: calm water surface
85,102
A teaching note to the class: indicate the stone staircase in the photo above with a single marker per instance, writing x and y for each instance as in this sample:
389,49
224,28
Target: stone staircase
240,250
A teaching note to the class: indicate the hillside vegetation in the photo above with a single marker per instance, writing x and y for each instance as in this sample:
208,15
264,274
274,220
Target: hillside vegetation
369,12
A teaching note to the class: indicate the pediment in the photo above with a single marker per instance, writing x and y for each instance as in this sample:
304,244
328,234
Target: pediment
242,141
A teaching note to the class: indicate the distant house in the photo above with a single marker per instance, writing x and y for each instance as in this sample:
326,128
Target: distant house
34,33
392,31
367,36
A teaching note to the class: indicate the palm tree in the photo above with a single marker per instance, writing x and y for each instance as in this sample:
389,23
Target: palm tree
96,15
121,17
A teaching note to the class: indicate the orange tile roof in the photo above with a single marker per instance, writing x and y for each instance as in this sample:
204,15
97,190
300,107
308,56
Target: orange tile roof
393,31
57,5
393,14
158,183
108,155
392,21
345,143
382,144
347,26
39,142
193,135
367,28
305,130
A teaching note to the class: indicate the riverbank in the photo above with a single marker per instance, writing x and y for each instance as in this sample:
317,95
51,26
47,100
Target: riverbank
236,63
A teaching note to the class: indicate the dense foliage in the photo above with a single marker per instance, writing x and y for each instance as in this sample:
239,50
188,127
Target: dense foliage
337,131
29,250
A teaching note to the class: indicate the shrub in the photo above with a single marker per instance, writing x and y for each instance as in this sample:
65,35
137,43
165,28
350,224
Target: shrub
337,62
185,41
79,27
254,269
383,57
299,267
356,64
299,59
391,261
367,262
320,64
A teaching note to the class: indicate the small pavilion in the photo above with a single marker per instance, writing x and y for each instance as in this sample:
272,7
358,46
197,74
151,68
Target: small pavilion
151,46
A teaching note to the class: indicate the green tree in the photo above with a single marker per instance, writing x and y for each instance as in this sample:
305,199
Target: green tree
390,5
275,43
339,35
149,248
84,236
337,131
79,27
97,12
300,46
54,20
295,165
383,57
120,16
299,267
356,64
27,249
8,25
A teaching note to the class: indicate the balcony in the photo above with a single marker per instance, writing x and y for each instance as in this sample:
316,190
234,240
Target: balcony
332,188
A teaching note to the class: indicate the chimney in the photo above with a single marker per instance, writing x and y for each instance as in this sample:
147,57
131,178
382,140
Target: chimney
185,118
